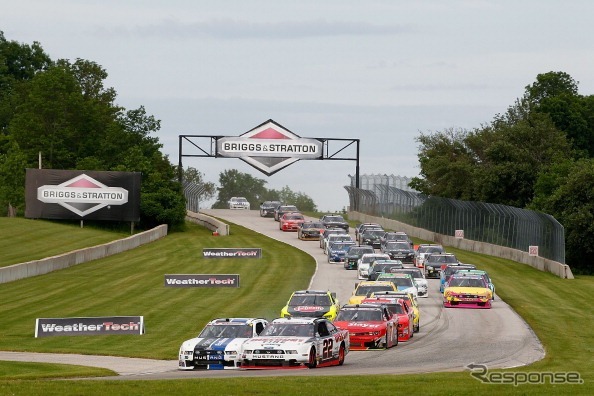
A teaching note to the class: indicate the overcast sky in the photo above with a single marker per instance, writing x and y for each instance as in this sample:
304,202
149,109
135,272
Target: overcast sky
381,71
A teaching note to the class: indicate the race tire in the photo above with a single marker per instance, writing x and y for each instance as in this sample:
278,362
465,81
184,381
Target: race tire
341,353
416,328
312,362
396,336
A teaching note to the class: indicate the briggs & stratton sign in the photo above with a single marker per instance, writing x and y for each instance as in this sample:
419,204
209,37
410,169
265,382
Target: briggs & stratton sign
269,147
94,195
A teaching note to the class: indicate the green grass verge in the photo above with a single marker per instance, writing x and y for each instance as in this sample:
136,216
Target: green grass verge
36,371
26,240
132,283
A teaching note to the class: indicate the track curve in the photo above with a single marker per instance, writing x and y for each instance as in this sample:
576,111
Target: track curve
448,340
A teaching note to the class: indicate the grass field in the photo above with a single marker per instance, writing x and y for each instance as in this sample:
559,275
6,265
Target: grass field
132,284
26,240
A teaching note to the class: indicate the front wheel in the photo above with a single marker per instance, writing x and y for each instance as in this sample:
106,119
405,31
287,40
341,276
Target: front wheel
312,362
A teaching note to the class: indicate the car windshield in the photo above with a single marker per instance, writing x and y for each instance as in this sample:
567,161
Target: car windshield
340,246
271,204
309,299
385,267
360,315
415,273
340,238
226,331
397,245
289,330
313,225
396,309
466,282
430,249
371,258
360,251
367,290
442,259
402,282
294,217
334,219
374,233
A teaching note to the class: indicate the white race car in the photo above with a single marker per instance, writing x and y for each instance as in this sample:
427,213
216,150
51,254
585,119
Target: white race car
238,203
218,344
296,342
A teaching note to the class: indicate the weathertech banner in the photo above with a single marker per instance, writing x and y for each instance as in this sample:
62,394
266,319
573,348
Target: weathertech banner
75,194
108,325
202,280
232,253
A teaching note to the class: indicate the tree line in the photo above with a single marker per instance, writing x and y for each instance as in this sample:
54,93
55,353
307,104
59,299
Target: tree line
537,155
62,112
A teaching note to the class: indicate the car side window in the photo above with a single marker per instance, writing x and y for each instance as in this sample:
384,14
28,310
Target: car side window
259,327
331,328
323,330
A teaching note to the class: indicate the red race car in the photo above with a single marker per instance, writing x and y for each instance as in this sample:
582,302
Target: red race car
400,309
291,221
370,326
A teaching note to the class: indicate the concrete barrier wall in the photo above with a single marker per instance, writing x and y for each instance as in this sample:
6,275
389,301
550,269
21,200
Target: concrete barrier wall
49,264
540,263
209,222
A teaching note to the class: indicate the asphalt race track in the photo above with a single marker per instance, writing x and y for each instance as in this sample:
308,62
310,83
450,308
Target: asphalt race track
448,340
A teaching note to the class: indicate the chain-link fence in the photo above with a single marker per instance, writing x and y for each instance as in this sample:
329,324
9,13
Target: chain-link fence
490,223
193,193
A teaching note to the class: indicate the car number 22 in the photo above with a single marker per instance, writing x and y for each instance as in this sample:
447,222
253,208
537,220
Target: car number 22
327,348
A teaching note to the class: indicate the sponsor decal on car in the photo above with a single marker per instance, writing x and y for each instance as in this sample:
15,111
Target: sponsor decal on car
307,308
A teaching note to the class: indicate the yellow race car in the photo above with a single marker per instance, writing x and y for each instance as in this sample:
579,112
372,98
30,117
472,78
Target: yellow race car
367,288
311,304
467,291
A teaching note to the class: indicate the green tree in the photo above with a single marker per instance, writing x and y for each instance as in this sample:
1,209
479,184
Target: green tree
206,191
233,183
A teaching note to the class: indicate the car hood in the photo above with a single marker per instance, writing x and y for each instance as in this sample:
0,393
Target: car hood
360,326
468,290
308,310
271,341
216,344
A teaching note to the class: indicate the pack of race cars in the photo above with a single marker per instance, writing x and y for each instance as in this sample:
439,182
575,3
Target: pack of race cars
313,330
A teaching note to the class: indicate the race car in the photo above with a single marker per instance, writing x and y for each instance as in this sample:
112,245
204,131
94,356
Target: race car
365,262
310,230
371,236
238,203
419,277
448,270
467,291
482,273
403,282
267,208
399,250
337,251
336,238
354,254
425,249
326,234
334,221
370,326
367,288
218,345
378,267
434,262
296,343
398,308
280,210
409,300
312,303
291,221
